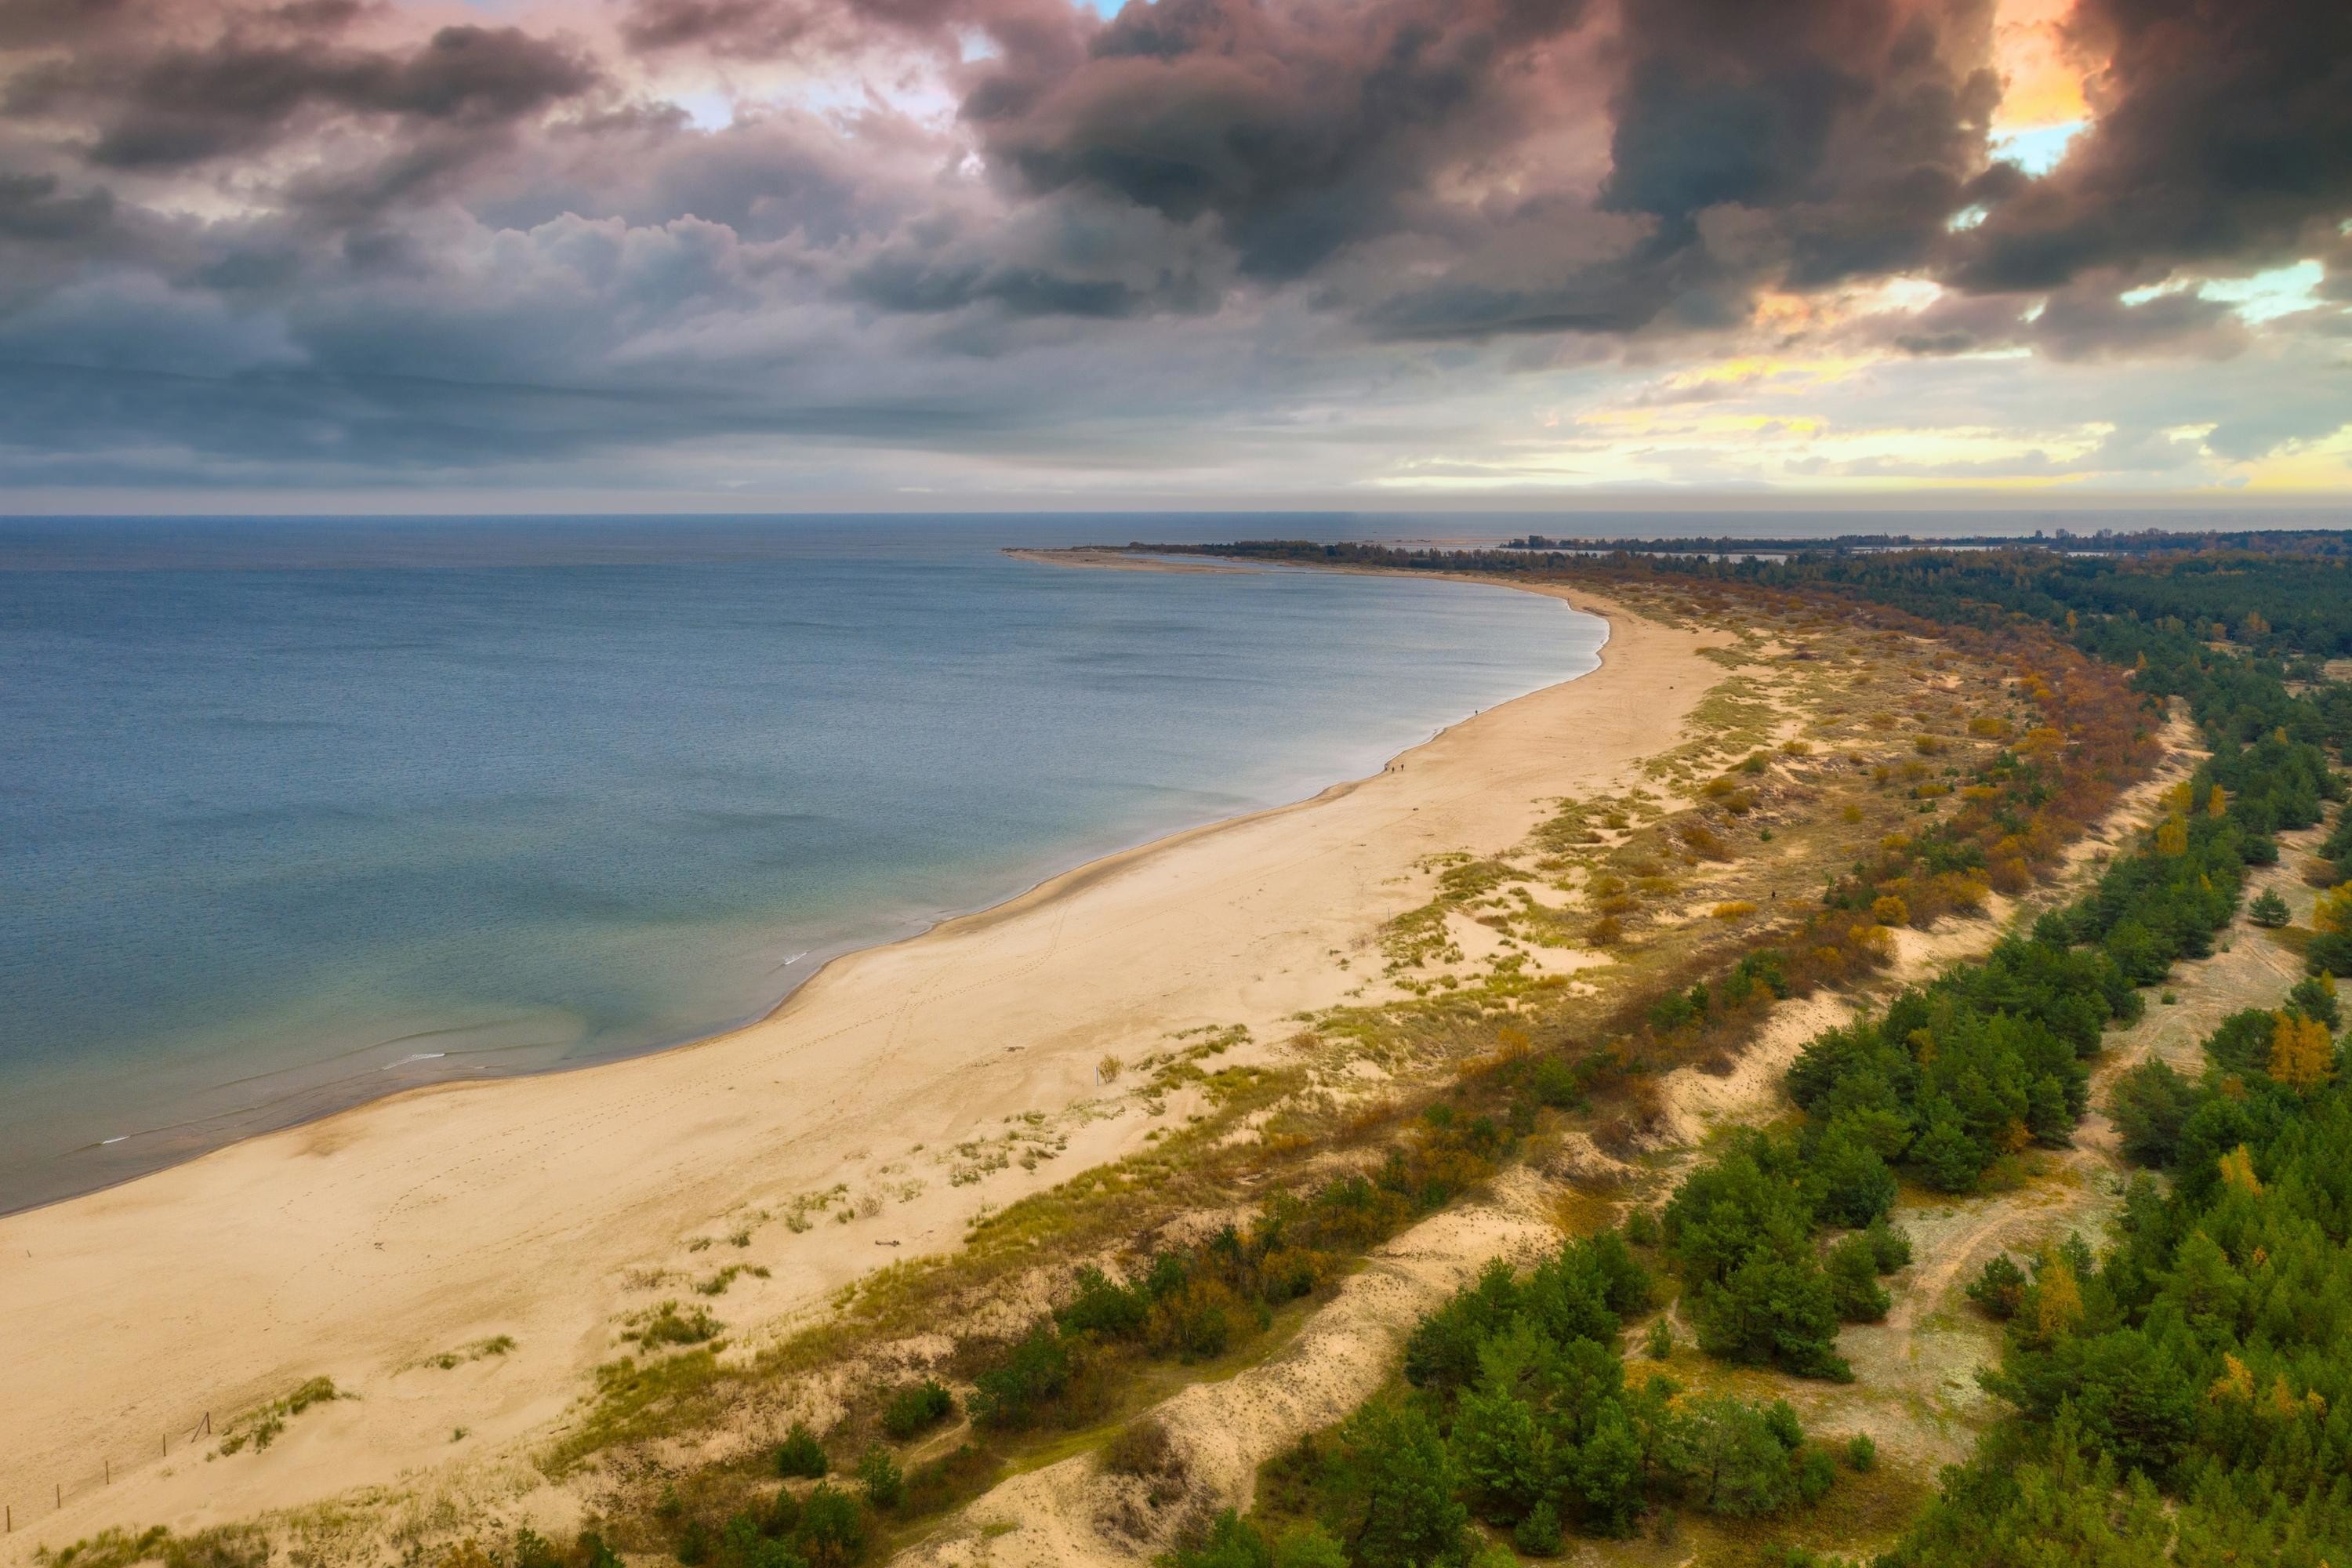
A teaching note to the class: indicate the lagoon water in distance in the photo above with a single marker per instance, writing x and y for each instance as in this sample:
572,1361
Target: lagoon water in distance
297,812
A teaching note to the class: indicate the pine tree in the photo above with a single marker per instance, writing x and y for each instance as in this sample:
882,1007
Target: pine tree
1408,1481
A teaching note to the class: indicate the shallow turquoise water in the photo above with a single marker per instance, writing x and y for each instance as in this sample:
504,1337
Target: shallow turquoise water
295,814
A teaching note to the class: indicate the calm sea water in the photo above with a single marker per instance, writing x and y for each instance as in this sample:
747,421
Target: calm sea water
293,814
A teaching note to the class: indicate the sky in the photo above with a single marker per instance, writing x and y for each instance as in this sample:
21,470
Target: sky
744,255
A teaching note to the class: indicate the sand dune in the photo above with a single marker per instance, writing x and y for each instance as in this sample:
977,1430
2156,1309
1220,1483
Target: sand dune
362,1245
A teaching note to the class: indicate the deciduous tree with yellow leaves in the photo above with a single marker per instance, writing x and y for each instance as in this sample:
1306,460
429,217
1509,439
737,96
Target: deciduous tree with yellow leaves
2302,1055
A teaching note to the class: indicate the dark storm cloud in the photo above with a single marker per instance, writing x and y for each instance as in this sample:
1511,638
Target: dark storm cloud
238,92
901,283
34,207
36,24
1605,297
1798,144
1297,127
1956,324
2223,133
1859,121
1835,137
2337,284
1030,36
726,26
303,425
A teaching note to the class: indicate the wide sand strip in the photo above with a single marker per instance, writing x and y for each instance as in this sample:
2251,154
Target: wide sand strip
360,1245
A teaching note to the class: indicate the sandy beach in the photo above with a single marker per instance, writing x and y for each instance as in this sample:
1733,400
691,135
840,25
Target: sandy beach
362,1245
1102,558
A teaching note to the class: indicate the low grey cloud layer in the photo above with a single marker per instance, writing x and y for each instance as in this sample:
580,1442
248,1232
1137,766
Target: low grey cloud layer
330,243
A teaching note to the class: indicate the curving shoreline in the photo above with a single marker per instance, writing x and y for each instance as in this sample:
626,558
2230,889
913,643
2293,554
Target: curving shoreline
585,891
359,1244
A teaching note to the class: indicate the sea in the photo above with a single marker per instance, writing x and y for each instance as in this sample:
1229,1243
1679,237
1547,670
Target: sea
299,812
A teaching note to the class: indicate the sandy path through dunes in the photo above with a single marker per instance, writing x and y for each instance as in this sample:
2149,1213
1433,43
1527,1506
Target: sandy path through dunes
1071,1514
362,1244
1068,1513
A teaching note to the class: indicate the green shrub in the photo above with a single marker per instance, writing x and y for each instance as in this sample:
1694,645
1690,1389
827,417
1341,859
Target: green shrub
2242,1042
915,1408
885,1482
666,1325
2149,1106
1538,1533
1774,1310
801,1454
1557,1084
1854,1291
1037,1369
745,1543
1999,1288
1850,1184
1735,1459
2315,997
1307,1546
1677,1009
1861,1453
1816,1473
1103,1306
1890,1246
832,1528
1749,1200
2330,952
1230,1542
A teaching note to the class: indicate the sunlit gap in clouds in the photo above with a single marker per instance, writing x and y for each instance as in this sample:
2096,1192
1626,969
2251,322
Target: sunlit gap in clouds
2037,149
2042,107
2264,297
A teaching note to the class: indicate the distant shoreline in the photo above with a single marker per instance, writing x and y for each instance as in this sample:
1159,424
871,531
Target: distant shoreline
1115,558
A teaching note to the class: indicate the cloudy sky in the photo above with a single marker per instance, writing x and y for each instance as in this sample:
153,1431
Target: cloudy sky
936,253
